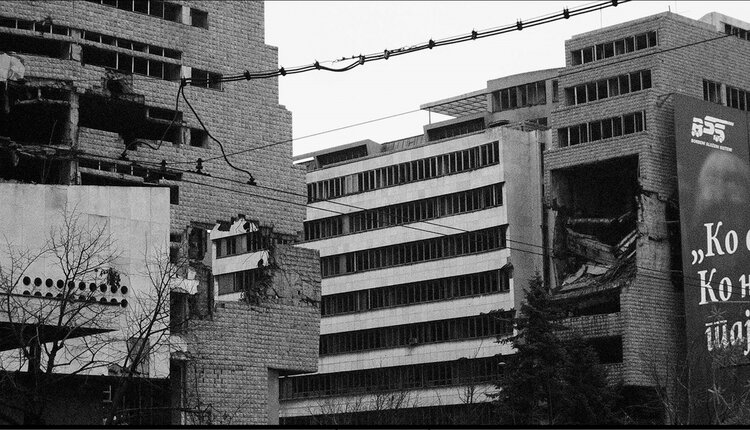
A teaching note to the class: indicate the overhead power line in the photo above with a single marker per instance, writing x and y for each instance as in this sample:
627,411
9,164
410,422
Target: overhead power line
359,60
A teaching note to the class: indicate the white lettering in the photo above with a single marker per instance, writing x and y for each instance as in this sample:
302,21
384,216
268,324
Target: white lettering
730,242
725,289
712,241
706,286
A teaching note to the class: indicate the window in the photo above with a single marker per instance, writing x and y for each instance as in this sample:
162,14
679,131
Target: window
139,350
601,129
712,91
613,48
198,138
198,18
237,281
205,79
736,31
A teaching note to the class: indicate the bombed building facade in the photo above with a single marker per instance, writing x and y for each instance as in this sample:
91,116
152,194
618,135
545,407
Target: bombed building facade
421,241
93,95
611,184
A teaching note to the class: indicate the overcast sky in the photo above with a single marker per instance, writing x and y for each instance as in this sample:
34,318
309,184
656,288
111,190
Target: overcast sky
314,30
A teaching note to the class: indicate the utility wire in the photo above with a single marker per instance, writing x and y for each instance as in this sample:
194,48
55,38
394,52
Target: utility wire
592,67
359,60
687,280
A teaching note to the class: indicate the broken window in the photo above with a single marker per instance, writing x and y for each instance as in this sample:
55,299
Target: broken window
595,229
198,18
178,312
205,79
34,45
139,350
198,138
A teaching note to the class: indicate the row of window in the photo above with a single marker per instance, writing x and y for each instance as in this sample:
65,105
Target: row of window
241,244
132,45
455,130
601,89
102,57
129,64
160,9
414,252
412,171
404,213
237,281
735,97
613,48
531,94
602,129
474,284
736,31
459,372
485,325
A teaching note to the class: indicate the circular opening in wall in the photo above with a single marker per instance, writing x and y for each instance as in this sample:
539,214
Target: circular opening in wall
38,294
26,280
26,293
124,303
103,300
92,299
82,297
113,301
103,288
124,289
59,295
113,289
49,283
92,286
37,281
60,283
48,295
71,285
81,285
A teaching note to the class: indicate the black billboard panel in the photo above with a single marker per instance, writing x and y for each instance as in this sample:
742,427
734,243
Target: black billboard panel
713,172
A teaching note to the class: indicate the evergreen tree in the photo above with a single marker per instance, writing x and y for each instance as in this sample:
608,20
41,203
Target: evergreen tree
551,379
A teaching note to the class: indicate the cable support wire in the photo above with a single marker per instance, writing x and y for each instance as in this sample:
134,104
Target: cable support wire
358,60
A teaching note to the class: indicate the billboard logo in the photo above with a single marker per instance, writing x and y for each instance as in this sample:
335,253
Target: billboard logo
711,126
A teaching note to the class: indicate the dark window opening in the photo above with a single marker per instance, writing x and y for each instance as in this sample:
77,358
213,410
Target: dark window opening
198,138
198,18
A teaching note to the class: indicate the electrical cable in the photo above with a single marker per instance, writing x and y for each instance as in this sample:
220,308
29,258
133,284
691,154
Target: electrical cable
250,181
359,60
690,281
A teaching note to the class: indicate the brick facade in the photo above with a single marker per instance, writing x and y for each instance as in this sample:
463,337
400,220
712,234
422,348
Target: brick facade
651,306
234,347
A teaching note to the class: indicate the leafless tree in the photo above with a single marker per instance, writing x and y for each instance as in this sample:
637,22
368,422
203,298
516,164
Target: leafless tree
56,330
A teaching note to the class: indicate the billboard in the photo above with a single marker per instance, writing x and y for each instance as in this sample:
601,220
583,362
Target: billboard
713,172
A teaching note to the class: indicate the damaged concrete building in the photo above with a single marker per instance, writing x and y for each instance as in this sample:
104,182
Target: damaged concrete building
98,103
611,184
